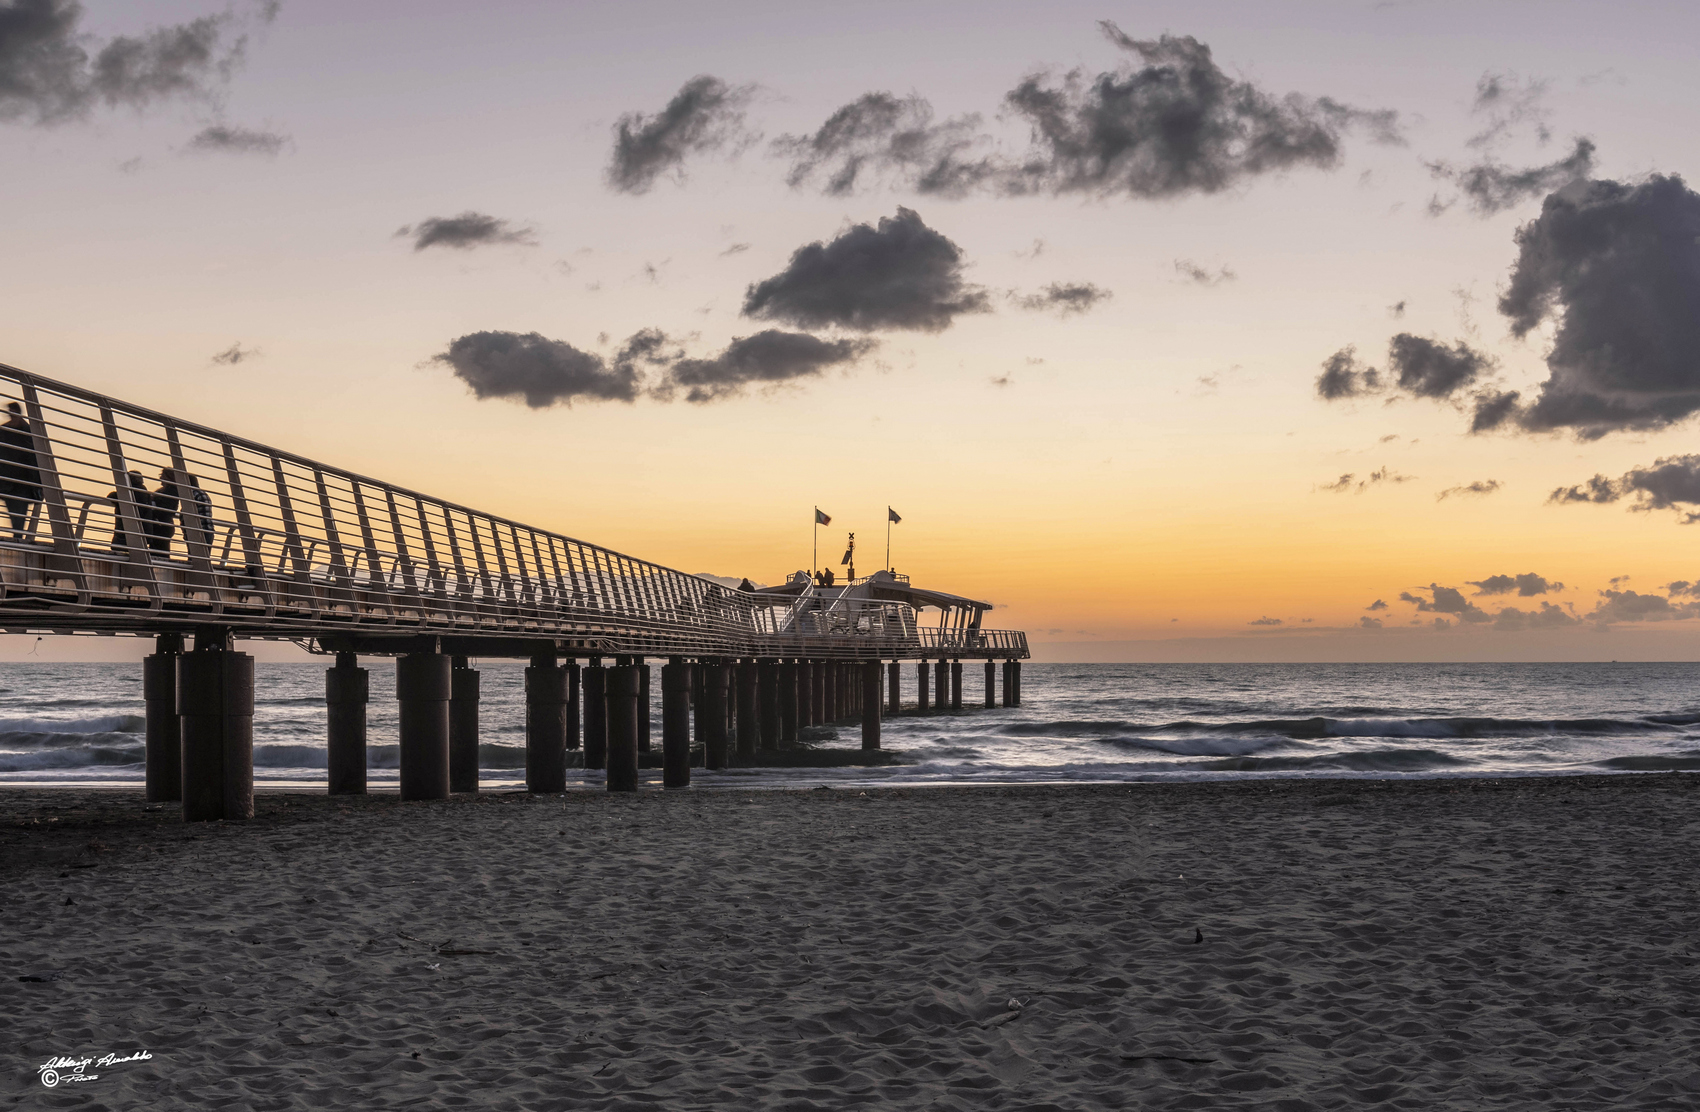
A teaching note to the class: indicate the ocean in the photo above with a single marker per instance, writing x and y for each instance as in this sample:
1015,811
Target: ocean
82,723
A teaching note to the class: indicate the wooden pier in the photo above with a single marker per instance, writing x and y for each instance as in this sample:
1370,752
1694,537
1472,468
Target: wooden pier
121,520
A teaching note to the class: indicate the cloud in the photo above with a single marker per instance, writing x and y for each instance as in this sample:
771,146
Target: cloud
898,275
1266,621
1376,605
1616,268
48,75
735,249
1632,606
1479,487
1508,101
1668,484
1172,125
1430,369
235,354
1351,484
1063,298
1344,377
1191,271
1526,585
1514,620
540,371
1493,187
1396,310
1367,622
1446,600
229,139
766,357
466,231
887,137
705,116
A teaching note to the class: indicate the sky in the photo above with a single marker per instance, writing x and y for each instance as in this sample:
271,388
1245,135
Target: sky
1235,331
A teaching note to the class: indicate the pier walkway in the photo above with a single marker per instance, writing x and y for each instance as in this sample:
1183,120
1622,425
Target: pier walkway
121,520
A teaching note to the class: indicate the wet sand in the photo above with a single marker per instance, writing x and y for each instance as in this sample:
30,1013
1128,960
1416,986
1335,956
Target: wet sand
1422,944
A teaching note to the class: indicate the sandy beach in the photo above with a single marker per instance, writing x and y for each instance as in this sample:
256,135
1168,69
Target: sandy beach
1422,944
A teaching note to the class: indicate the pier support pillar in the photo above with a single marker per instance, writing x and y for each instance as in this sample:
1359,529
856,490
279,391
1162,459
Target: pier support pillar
768,695
347,690
463,726
956,685
922,680
545,722
991,686
622,718
829,694
593,694
165,731
894,688
941,676
423,687
570,733
644,704
807,678
714,738
871,705
215,708
749,722
1015,674
788,702
1008,685
676,724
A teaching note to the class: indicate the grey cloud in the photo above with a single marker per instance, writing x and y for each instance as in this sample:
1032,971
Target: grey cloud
766,357
466,231
1669,483
1344,377
1191,271
1351,484
1430,369
1478,487
1367,622
48,76
706,115
1515,620
1632,606
540,371
1526,585
1492,187
1266,621
228,139
235,354
1447,600
1494,408
1175,124
1507,101
898,275
735,249
883,136
1617,268
1396,310
1376,605
1063,298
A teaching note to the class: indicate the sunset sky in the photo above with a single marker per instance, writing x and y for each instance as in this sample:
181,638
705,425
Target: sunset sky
1070,327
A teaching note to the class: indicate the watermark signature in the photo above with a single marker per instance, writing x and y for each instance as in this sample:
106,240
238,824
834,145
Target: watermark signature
67,1071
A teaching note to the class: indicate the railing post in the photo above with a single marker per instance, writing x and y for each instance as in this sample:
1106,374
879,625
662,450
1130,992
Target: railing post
254,568
129,517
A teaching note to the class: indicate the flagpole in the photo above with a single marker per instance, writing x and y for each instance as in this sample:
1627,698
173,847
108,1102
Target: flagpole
815,566
888,538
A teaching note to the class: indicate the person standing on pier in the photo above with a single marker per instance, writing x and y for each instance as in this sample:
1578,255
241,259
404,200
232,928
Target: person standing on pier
196,514
162,526
143,499
20,473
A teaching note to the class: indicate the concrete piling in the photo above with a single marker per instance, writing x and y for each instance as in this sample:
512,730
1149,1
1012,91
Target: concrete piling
714,740
768,696
463,726
922,675
788,702
347,690
676,724
871,705
956,685
829,691
593,694
545,745
570,734
991,686
622,718
215,707
1015,674
749,718
423,687
644,704
941,676
894,688
164,730
1008,685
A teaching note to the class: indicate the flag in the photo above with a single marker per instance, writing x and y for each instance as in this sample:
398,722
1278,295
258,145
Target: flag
822,519
891,514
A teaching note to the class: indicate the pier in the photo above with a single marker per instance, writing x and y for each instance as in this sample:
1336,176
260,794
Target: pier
125,521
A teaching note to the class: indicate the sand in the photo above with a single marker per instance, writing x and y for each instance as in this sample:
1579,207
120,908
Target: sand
1428,944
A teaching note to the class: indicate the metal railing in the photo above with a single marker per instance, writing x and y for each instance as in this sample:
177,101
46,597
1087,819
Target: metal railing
120,519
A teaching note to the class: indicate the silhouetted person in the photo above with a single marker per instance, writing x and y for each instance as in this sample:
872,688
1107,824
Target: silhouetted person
144,509
828,577
162,523
196,514
20,472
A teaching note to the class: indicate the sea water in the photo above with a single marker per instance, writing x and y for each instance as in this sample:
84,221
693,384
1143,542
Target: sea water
82,723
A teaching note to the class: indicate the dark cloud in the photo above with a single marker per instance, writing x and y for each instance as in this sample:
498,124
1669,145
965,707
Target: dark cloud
1344,377
1192,272
227,139
1669,483
880,136
1351,484
1174,124
466,231
1063,298
1376,605
235,354
1430,369
541,371
1526,585
735,249
1508,101
1479,487
1266,621
1396,310
1632,606
898,275
1493,187
1367,622
48,74
1493,409
1447,600
1514,620
766,357
704,116
1617,268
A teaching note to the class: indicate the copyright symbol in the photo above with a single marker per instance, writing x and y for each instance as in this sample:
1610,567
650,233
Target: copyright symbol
50,1078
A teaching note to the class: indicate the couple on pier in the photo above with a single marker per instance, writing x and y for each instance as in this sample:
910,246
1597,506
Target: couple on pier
178,499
